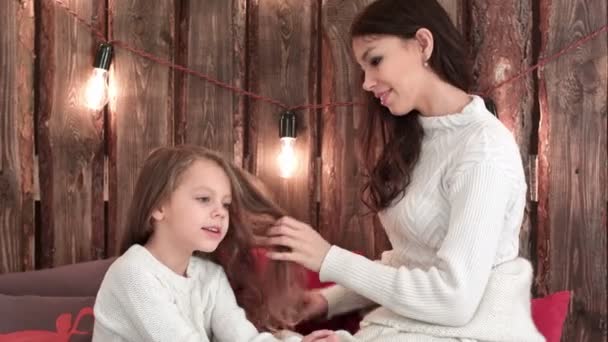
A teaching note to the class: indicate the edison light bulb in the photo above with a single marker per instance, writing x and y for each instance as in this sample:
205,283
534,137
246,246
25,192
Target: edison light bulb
287,157
96,95
96,92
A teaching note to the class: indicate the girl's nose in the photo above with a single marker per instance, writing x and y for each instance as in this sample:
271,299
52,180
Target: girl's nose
220,211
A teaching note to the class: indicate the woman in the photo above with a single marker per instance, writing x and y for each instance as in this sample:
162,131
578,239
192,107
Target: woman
449,189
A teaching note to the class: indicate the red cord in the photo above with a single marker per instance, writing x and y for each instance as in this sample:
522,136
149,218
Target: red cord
100,35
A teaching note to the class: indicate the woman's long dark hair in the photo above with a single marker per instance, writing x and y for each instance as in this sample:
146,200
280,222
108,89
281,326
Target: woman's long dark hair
390,169
270,292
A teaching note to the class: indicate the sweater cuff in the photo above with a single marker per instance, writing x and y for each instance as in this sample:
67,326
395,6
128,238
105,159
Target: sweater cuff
334,264
340,300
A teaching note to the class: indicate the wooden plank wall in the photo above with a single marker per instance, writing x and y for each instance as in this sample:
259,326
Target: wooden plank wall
70,140
342,218
296,52
496,60
211,116
141,112
16,136
573,198
283,48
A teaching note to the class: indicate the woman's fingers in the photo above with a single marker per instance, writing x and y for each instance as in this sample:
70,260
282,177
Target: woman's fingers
292,223
282,230
282,240
284,256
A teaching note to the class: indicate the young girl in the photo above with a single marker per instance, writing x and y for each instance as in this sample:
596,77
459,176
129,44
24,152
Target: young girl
188,244
448,187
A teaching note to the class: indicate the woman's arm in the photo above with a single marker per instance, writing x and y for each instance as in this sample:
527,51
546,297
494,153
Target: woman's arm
341,300
449,292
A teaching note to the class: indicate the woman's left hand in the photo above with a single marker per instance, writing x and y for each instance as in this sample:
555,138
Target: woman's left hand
307,246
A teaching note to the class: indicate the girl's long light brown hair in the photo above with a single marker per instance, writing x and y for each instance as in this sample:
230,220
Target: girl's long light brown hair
269,291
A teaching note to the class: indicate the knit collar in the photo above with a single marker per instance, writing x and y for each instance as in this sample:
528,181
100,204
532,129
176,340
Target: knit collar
180,282
454,120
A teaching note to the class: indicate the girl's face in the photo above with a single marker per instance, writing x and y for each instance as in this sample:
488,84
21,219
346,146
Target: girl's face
394,70
196,214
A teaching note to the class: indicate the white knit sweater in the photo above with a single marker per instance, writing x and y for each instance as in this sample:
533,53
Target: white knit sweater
140,299
453,270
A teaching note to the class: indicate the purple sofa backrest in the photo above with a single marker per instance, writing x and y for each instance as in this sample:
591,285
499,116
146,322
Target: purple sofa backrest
78,280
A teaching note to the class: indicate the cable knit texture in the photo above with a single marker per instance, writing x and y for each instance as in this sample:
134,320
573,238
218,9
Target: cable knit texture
453,271
140,299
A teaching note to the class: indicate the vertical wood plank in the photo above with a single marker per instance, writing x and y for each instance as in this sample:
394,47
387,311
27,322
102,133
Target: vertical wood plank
499,59
283,53
141,109
70,139
342,218
16,136
572,162
214,35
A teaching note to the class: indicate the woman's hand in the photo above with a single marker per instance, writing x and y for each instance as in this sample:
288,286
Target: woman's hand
307,247
314,306
321,336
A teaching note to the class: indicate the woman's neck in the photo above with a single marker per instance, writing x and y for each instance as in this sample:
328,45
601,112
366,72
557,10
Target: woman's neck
442,98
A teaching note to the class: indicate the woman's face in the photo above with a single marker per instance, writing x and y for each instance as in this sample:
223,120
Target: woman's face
394,69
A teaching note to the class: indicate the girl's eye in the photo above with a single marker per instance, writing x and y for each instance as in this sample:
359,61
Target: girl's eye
375,61
203,199
227,205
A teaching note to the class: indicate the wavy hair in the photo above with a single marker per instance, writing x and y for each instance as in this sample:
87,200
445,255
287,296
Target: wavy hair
268,291
400,137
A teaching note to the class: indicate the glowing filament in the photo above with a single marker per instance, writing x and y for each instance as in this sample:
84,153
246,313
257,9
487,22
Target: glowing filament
287,158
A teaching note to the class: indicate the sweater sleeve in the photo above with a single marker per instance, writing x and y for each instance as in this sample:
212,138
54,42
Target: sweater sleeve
341,300
229,322
150,312
449,292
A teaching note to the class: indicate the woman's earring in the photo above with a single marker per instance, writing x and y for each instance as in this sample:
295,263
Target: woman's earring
426,64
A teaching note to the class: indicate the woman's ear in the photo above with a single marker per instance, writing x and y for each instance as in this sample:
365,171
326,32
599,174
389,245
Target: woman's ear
424,37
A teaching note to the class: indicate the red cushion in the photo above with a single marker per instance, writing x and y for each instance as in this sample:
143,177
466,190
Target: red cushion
66,329
549,314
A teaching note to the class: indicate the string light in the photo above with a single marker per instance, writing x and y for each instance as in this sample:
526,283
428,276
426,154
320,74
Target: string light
96,93
287,160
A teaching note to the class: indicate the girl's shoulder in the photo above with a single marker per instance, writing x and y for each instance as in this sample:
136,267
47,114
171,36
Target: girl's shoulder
135,262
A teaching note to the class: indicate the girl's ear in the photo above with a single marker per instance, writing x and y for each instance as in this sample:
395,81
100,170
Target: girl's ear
158,214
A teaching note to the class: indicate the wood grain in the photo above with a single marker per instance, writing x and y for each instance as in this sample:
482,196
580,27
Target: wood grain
70,140
572,154
499,59
141,111
283,47
214,43
343,219
16,136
